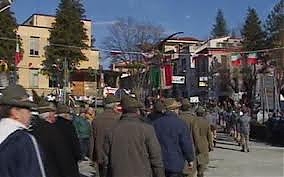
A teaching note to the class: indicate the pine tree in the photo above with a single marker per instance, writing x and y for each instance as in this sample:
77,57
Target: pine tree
67,39
252,33
275,25
253,39
220,27
8,34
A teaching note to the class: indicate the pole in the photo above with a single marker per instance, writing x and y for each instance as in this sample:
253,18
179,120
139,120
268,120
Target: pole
262,101
66,81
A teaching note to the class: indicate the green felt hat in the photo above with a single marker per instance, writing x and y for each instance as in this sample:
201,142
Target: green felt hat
130,103
171,104
16,95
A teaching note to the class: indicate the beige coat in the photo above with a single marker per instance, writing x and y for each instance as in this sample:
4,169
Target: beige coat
203,140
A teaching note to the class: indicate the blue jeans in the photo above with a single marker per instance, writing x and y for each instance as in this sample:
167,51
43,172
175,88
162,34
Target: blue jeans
84,145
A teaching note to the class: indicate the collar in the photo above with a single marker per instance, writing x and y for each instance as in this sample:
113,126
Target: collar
130,116
8,126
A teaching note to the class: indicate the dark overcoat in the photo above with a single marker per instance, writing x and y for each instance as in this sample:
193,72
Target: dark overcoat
176,141
58,156
18,156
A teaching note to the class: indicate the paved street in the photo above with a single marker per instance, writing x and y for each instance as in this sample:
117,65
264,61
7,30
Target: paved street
262,161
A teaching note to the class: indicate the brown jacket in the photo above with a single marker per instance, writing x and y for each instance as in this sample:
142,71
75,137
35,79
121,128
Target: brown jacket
102,125
203,139
189,118
133,149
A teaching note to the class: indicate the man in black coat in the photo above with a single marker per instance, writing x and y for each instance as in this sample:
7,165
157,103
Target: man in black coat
58,156
66,128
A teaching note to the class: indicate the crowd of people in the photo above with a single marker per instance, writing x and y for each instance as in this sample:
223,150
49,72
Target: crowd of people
167,138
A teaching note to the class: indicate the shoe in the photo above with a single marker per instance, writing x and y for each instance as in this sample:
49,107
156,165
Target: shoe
247,150
242,150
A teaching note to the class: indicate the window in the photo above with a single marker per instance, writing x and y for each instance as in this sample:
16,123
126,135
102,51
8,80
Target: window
34,45
183,64
34,73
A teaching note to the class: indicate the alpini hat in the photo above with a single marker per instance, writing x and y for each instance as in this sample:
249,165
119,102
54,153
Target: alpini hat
185,104
130,103
171,104
16,95
45,106
61,109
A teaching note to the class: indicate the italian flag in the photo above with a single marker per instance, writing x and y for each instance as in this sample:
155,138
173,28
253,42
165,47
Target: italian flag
18,55
252,58
166,76
236,60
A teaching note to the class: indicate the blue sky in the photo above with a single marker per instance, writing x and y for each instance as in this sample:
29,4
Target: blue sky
194,17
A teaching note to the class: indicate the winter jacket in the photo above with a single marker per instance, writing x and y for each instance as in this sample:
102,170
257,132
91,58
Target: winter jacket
82,126
67,129
203,139
102,126
20,155
59,159
133,149
176,141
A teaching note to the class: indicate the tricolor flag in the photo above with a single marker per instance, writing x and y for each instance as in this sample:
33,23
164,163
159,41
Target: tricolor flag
18,55
236,60
166,76
252,58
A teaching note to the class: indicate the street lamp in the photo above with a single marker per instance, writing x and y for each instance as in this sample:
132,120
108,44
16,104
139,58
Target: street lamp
7,6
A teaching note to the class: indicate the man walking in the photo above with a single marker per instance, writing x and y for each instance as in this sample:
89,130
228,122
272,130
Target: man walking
188,115
59,159
132,147
203,141
175,139
102,126
245,129
19,152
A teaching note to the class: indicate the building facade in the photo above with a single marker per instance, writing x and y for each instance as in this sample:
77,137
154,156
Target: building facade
211,53
34,33
183,65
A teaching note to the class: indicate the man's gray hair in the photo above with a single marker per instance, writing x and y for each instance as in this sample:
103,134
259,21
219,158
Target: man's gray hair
44,115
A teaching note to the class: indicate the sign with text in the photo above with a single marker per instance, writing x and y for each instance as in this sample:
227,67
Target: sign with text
178,79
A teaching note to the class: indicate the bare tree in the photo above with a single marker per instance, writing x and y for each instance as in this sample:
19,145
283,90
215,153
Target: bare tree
128,36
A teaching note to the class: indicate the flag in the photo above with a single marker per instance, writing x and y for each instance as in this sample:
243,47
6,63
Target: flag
163,77
236,60
166,76
252,58
155,77
18,55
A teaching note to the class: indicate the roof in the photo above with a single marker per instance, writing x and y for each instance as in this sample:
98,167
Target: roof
46,15
185,39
